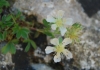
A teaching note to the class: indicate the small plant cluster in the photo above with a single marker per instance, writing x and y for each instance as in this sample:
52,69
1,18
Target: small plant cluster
14,28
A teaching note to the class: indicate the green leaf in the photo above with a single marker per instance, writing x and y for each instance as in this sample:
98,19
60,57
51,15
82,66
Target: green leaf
22,32
8,17
1,36
19,34
24,35
4,3
15,29
12,48
33,44
3,18
27,47
60,40
5,49
76,25
25,30
19,15
46,23
4,35
48,33
15,41
0,11
36,34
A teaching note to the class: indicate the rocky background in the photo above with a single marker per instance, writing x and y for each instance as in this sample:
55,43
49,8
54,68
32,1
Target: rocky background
86,53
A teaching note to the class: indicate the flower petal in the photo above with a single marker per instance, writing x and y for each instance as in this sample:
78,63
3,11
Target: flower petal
54,41
68,54
66,41
57,57
60,14
69,22
49,49
62,30
53,26
50,19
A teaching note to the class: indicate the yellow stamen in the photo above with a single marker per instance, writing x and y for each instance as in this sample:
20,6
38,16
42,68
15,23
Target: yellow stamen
59,22
59,48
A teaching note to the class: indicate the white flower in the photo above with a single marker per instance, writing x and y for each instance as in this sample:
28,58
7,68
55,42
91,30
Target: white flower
56,17
59,48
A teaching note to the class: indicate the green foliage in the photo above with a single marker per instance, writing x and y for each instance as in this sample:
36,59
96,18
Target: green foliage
9,47
77,26
46,24
21,32
3,3
47,28
29,43
14,28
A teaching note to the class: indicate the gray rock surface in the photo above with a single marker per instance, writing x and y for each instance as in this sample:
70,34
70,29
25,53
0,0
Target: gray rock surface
41,8
87,53
41,67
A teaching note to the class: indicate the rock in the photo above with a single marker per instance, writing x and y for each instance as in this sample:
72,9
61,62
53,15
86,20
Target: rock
86,54
91,7
41,8
41,67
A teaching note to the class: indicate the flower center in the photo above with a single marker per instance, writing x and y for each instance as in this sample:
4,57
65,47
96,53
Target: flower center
59,48
59,22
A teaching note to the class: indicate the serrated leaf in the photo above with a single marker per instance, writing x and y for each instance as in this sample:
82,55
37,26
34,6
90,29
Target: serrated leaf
24,35
18,35
27,47
33,44
12,48
4,35
15,29
8,17
5,49
25,30
3,3
3,18
1,36
46,23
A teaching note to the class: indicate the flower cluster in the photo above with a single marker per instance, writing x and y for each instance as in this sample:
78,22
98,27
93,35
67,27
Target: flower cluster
67,29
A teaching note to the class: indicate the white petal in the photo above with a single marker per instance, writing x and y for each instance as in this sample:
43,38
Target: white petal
68,54
54,41
60,14
53,26
49,49
66,41
50,18
69,22
57,57
63,30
